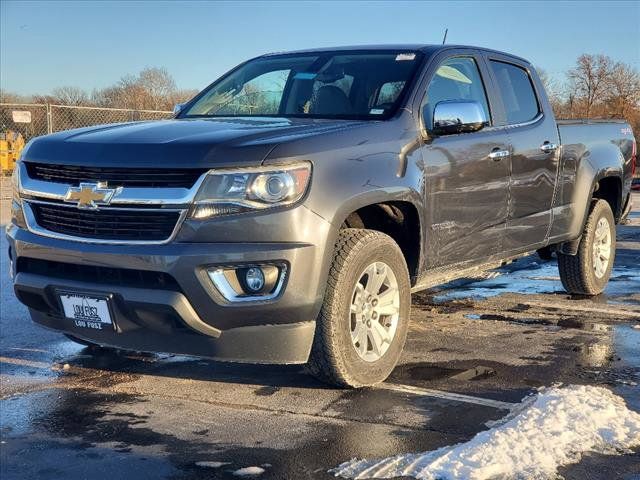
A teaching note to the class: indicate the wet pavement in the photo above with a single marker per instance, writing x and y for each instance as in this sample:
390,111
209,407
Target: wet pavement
475,347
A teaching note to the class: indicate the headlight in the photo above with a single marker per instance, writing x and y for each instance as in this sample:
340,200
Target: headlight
227,192
17,215
15,182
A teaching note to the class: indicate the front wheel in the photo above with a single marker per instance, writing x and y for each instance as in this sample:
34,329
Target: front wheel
363,322
588,272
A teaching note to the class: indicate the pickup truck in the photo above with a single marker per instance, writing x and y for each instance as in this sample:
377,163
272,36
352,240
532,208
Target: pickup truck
289,210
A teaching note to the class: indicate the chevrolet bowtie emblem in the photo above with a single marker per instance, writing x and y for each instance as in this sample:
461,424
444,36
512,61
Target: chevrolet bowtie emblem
90,195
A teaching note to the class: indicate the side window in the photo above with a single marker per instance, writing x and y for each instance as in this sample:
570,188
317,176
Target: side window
516,91
457,78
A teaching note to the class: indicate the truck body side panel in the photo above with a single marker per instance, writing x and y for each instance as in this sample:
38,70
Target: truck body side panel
590,152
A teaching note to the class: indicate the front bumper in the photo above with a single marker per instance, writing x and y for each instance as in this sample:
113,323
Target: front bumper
191,317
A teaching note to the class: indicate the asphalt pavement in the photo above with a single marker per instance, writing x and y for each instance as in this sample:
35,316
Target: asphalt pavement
475,348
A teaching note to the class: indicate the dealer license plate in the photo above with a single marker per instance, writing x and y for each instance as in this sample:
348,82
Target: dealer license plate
86,311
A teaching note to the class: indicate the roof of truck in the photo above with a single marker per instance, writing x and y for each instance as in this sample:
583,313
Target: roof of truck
423,47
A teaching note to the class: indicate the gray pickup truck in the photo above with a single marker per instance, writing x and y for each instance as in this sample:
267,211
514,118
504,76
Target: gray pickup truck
289,210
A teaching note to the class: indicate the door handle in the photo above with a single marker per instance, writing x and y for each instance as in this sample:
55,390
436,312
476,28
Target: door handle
496,154
548,147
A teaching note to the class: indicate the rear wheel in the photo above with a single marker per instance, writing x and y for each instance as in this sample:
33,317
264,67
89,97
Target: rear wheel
363,322
588,272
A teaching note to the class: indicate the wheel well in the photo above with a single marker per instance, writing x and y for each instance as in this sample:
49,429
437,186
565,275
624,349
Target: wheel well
400,221
610,189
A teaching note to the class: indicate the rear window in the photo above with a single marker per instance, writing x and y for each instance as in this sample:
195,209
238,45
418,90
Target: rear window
518,96
389,93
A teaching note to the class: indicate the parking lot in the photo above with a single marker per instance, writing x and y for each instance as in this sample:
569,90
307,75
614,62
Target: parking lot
475,348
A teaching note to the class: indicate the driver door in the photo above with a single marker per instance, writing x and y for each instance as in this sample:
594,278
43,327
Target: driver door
467,174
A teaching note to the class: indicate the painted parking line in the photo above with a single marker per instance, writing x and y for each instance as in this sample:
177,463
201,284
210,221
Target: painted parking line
24,363
456,397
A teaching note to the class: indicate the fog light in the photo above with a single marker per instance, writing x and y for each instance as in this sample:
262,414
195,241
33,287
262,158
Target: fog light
254,279
249,283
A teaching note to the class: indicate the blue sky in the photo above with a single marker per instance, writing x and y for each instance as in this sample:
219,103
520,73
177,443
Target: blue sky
91,44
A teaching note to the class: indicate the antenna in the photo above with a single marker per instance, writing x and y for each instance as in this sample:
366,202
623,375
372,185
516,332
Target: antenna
444,39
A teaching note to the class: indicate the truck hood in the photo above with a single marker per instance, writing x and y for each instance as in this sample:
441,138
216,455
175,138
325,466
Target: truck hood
184,143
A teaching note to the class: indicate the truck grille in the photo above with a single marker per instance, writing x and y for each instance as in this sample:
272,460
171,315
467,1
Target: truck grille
105,275
115,177
106,224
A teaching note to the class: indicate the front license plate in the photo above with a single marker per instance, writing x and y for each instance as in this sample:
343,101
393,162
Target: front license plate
86,311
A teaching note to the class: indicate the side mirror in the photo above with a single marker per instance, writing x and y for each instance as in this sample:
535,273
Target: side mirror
458,116
178,108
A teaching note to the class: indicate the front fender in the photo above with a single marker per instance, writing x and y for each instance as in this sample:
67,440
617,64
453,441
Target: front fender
377,162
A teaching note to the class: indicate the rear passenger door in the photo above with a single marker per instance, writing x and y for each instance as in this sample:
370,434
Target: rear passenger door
534,141
466,183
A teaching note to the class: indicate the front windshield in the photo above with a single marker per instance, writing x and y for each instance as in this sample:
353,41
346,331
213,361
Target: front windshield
319,85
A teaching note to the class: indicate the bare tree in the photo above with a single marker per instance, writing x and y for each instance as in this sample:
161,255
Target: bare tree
158,85
624,89
70,96
181,96
10,97
589,79
44,99
130,94
553,89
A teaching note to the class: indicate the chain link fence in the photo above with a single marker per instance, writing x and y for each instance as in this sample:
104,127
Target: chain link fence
65,117
20,122
27,119
31,120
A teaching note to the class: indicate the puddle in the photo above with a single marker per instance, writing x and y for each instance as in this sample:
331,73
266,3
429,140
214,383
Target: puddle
616,347
535,278
597,354
425,372
510,319
475,373
626,340
627,344
612,357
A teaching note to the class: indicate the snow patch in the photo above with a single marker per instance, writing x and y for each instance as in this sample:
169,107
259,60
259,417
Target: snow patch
556,428
212,464
248,471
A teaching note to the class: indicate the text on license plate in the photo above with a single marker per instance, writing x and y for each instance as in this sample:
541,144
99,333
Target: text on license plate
87,312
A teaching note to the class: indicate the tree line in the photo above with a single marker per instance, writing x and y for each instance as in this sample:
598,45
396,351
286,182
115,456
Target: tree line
151,89
595,87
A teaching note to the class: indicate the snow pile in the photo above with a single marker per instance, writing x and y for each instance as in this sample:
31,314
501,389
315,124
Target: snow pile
559,425
248,472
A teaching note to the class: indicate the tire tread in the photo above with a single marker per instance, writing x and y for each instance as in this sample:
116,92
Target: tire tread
575,273
323,363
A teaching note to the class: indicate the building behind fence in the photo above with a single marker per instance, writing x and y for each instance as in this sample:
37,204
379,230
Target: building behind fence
31,119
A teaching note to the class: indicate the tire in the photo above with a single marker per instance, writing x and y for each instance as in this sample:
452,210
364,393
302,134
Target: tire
545,253
578,272
336,356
